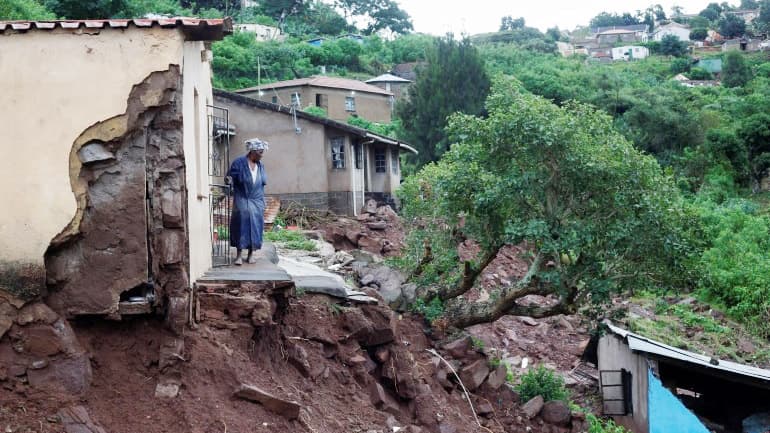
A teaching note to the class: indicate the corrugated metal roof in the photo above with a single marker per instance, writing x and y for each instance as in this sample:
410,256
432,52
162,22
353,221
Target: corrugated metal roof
388,78
332,82
194,28
639,343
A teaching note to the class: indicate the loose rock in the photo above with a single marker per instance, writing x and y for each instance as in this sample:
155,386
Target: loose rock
533,407
287,409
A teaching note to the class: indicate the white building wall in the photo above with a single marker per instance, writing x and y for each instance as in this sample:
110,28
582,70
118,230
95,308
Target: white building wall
197,94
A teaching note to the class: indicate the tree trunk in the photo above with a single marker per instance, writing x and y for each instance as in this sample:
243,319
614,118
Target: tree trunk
462,314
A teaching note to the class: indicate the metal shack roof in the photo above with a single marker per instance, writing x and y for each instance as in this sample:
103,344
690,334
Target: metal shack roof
194,29
639,343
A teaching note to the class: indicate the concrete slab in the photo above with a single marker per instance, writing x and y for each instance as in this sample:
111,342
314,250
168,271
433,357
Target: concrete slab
264,269
313,279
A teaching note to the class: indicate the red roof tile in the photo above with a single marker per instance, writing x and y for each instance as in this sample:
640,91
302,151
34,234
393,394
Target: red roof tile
194,28
333,82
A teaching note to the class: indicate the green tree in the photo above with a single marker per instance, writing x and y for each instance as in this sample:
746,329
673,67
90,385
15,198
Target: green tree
96,9
507,23
606,19
381,15
454,80
735,72
711,12
595,215
699,34
762,22
731,26
755,134
670,45
24,10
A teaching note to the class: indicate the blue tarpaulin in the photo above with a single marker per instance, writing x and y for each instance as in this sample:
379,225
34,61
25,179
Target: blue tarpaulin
666,413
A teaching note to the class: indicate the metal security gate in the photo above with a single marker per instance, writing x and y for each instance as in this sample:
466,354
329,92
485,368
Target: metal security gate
220,194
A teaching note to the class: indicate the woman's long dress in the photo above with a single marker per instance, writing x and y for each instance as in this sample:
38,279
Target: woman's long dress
248,218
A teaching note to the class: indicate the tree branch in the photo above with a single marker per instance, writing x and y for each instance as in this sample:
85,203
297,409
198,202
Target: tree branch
470,274
462,314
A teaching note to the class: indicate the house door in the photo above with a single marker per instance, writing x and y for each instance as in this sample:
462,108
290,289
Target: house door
220,194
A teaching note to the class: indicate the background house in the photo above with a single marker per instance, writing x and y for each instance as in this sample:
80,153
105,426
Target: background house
110,185
314,161
340,97
261,31
391,83
650,387
608,36
673,28
630,52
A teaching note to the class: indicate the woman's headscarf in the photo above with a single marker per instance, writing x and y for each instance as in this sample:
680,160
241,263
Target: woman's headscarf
255,144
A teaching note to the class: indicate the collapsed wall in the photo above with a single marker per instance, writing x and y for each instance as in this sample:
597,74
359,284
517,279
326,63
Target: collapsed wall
128,237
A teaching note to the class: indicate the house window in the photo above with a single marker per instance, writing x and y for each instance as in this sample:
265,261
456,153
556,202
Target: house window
338,152
295,100
321,100
394,161
358,151
380,165
275,100
350,103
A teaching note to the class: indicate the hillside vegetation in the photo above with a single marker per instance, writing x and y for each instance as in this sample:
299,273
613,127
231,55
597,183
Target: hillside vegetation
678,172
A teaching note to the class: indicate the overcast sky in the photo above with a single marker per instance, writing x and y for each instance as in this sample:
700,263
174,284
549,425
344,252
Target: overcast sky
438,17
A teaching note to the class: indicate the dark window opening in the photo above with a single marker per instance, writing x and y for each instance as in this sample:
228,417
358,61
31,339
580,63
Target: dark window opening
380,165
358,152
275,99
321,100
338,152
722,402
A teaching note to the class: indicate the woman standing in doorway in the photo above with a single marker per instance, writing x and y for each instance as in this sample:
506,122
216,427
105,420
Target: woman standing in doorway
248,179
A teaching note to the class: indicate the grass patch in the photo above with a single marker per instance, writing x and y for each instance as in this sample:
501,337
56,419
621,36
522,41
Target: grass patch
692,327
291,239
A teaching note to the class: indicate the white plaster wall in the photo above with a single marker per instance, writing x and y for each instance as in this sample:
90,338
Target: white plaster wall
55,84
196,75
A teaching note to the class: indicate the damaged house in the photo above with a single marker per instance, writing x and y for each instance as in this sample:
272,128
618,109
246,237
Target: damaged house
104,155
650,387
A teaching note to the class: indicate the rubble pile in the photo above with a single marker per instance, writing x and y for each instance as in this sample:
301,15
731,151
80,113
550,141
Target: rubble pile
376,230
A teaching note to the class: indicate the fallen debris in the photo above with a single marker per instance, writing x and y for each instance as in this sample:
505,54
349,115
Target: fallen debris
287,409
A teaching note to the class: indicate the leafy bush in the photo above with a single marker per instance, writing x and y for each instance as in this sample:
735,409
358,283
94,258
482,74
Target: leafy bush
700,74
598,425
544,382
735,269
431,310
315,111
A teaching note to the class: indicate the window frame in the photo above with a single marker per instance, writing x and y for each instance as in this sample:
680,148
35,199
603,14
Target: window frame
296,100
350,103
394,162
380,164
338,154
